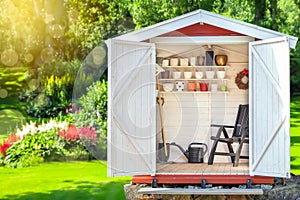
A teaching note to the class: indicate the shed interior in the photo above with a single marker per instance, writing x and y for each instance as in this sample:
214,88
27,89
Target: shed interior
188,115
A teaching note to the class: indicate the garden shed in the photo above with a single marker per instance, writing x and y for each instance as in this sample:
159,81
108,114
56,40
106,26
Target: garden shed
175,61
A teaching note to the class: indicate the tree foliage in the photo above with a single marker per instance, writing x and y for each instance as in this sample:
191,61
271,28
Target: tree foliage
148,12
92,21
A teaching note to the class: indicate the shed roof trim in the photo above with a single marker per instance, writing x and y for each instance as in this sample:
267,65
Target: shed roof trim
202,16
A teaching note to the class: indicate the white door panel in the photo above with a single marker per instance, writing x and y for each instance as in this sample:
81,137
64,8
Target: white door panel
269,107
131,109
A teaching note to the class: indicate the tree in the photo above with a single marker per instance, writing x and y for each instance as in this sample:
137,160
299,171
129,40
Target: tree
148,12
92,21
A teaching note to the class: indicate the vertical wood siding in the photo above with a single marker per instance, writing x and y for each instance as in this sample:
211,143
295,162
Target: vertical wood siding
132,95
270,101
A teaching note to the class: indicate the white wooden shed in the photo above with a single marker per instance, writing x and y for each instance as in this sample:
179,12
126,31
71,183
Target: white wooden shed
134,122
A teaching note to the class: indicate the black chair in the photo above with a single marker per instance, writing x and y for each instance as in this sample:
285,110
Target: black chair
240,135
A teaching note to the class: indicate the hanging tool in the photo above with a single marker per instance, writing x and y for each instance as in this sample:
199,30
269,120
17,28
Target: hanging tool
160,101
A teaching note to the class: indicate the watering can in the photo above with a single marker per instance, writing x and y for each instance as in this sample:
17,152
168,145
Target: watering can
195,152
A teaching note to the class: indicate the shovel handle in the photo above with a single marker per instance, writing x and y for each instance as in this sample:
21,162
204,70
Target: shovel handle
160,102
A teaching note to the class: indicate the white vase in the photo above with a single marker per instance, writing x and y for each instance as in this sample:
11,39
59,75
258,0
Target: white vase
201,60
193,61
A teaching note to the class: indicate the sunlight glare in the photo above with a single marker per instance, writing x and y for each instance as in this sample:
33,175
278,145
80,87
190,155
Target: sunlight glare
9,57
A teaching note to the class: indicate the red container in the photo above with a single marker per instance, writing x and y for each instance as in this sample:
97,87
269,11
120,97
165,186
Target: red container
203,86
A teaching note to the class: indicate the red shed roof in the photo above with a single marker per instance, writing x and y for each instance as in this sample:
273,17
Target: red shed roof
202,30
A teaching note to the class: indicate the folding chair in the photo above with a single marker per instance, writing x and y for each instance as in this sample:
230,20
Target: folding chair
240,135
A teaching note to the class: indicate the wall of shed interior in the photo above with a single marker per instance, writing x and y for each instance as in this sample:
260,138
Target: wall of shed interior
188,116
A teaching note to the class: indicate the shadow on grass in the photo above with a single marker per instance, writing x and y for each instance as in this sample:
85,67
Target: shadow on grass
83,190
295,166
294,140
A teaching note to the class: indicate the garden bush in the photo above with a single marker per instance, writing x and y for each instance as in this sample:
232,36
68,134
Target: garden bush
92,108
51,141
91,111
49,89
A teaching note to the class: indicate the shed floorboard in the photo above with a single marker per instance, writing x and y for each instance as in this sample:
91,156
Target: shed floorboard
203,168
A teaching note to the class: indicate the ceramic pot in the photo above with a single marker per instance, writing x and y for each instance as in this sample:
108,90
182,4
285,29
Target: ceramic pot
174,61
192,86
203,86
165,74
221,60
184,61
220,74
214,87
199,75
210,74
187,74
165,62
201,60
176,75
168,87
193,61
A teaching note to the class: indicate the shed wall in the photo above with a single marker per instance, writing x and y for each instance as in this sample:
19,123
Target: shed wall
188,115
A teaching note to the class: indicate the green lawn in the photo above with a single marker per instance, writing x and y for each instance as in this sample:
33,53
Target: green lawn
73,180
88,180
295,135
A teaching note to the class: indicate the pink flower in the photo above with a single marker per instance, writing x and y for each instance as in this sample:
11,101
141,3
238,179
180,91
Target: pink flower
88,134
61,133
7,143
72,133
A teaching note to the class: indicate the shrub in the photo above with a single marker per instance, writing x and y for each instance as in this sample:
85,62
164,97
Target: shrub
54,97
92,112
49,90
35,143
93,109
33,149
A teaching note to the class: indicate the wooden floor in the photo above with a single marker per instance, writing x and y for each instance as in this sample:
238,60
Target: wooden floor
203,168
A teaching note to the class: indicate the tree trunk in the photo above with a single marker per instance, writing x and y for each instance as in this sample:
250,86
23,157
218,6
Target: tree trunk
273,11
260,10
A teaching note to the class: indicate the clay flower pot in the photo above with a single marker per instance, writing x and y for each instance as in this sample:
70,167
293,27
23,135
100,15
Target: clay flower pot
221,60
192,86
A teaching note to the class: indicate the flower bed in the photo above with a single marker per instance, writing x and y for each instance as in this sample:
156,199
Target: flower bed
35,143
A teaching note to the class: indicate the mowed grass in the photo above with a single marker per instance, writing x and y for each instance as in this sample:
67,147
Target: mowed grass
88,180
71,180
295,135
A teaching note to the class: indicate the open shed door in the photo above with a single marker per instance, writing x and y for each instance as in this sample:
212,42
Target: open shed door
269,102
131,108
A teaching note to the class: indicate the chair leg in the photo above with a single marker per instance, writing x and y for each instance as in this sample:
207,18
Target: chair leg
231,151
238,154
214,147
212,152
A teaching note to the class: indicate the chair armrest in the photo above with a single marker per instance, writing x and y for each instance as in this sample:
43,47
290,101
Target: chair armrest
225,126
